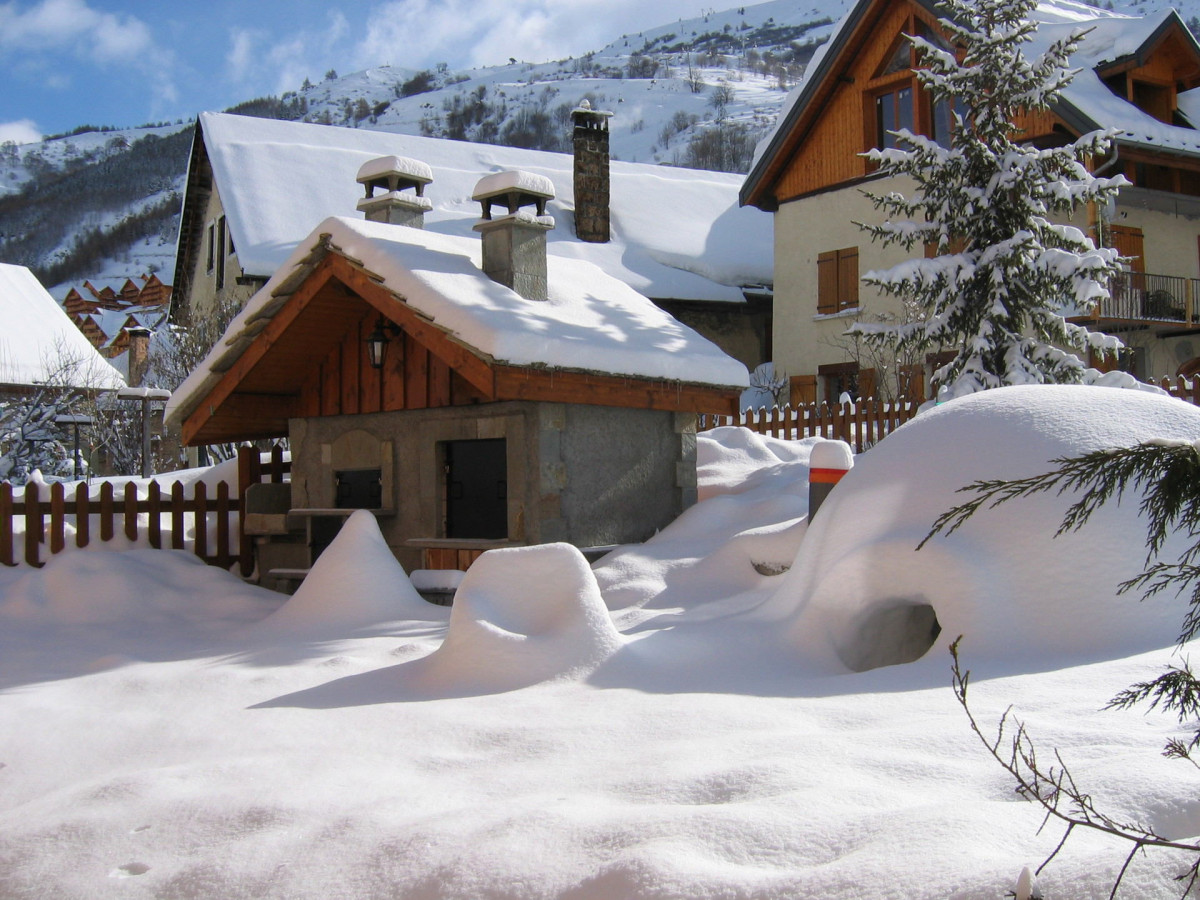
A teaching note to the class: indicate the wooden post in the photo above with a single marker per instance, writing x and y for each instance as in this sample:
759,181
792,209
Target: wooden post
6,524
34,524
83,515
154,515
130,511
277,464
58,517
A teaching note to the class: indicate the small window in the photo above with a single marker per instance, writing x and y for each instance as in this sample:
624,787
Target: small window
942,121
212,248
837,281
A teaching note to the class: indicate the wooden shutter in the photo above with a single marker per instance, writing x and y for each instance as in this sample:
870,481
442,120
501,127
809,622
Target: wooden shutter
803,389
827,282
866,384
847,262
1129,242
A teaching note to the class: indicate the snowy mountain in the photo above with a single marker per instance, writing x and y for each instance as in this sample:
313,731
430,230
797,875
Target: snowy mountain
696,92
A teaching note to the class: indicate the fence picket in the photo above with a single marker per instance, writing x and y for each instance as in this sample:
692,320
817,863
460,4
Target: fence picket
223,507
106,511
154,520
200,522
177,516
6,524
58,518
83,517
35,524
130,511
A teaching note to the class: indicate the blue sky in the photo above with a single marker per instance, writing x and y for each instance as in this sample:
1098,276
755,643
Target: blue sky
65,63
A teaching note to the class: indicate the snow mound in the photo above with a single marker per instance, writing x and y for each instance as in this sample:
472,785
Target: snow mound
522,616
864,596
356,583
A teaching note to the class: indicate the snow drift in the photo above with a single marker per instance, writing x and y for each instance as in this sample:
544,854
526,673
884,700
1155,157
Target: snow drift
865,597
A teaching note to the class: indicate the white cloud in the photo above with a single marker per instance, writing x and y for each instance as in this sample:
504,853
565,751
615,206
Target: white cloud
22,131
53,24
36,34
274,63
416,33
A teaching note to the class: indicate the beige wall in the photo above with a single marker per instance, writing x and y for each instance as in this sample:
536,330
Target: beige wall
803,340
201,289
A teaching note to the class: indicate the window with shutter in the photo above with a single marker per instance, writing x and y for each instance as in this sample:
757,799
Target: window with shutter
837,280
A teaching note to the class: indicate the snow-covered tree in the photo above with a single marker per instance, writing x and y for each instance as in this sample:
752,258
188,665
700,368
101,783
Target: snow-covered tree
1006,270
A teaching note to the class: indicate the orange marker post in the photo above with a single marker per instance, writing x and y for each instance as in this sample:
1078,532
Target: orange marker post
829,461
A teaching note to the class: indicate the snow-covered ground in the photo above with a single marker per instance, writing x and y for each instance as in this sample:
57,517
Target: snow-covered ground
675,722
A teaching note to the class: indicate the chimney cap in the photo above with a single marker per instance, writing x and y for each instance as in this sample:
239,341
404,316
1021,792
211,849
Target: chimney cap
513,189
394,173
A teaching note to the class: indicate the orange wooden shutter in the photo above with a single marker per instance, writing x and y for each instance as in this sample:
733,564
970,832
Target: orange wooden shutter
827,282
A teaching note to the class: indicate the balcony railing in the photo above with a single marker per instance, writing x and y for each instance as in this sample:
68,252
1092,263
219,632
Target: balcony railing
1142,298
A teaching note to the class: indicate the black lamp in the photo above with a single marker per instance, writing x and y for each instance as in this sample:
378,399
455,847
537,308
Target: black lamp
377,342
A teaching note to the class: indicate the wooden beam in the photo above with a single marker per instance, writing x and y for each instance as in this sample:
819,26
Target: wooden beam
514,383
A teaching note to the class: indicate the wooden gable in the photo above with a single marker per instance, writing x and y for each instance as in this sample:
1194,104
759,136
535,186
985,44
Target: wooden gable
835,119
309,359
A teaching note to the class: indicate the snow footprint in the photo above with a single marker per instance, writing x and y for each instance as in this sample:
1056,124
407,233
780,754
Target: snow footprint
129,870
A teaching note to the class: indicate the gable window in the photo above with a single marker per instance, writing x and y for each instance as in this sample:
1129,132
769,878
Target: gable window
893,111
837,280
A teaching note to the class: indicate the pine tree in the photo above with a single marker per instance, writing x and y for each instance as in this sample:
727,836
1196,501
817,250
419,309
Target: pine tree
1005,273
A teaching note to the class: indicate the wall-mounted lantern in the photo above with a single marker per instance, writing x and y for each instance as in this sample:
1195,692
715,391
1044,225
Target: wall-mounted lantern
377,341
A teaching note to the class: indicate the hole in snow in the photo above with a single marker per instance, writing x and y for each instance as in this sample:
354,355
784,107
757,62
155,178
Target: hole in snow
894,632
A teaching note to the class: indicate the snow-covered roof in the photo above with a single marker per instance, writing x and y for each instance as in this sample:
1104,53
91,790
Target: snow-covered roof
590,322
39,343
677,233
1086,103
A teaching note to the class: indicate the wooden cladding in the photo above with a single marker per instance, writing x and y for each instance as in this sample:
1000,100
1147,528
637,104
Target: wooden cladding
344,382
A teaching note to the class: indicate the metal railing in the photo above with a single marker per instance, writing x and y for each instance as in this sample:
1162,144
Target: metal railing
1145,297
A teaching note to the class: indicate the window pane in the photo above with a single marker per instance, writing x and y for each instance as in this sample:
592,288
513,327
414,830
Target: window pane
904,108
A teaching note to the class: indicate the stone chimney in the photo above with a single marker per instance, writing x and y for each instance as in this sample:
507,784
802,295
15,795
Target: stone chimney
139,355
394,175
591,173
514,244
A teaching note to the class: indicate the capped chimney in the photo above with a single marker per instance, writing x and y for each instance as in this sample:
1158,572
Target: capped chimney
514,244
394,175
591,173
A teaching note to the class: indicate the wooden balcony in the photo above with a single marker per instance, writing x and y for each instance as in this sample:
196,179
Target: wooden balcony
1140,299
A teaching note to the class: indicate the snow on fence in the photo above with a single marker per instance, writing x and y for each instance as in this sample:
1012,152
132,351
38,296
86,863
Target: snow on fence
37,520
1178,386
862,424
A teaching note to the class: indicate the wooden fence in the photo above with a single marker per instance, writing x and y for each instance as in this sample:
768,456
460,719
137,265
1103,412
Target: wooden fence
33,525
861,424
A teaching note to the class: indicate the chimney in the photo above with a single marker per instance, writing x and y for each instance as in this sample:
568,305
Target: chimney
514,245
591,173
139,355
393,175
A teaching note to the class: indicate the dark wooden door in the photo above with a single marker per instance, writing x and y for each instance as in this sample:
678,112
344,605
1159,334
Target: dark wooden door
477,489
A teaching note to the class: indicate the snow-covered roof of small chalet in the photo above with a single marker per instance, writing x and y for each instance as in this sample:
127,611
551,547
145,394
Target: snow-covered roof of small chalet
677,233
39,343
1086,104
591,321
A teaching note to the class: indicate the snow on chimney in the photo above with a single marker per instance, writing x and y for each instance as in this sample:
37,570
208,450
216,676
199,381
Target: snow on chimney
590,141
394,175
514,245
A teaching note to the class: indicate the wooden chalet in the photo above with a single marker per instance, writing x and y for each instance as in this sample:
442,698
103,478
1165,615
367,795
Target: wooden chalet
451,399
1140,75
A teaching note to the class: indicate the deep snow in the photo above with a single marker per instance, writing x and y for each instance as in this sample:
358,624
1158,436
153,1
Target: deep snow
166,731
